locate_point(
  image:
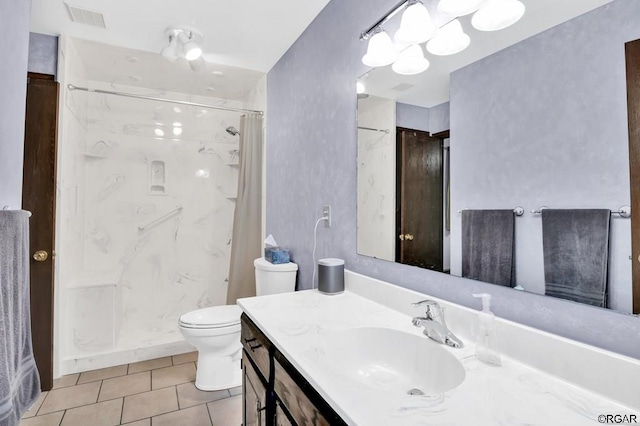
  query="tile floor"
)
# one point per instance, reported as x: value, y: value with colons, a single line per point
x: 159, y: 392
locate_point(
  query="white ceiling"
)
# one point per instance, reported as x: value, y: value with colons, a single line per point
x: 131, y: 67
x: 431, y: 87
x: 251, y: 34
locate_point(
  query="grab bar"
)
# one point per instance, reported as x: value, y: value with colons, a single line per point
x: 160, y: 219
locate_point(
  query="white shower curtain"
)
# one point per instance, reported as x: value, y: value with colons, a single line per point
x: 246, y: 243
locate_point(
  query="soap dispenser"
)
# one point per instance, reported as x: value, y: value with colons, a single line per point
x: 487, y: 347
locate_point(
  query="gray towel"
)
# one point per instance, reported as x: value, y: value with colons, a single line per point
x: 19, y: 379
x: 488, y: 246
x: 576, y: 254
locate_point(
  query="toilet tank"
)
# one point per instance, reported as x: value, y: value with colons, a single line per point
x: 274, y: 278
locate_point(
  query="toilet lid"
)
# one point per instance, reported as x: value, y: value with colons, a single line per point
x: 213, y: 317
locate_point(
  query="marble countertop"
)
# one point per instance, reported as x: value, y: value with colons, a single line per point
x: 513, y: 394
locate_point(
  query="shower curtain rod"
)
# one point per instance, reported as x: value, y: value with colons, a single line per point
x: 152, y: 98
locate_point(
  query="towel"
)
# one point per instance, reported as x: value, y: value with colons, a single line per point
x: 19, y: 379
x: 488, y: 246
x: 576, y: 254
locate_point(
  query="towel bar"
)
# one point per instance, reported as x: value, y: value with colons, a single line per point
x: 518, y: 211
x: 623, y: 211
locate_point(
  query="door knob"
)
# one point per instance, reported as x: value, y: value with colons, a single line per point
x: 40, y: 256
x: 405, y: 237
x: 401, y: 236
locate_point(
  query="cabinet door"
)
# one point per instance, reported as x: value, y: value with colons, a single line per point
x: 281, y: 417
x: 254, y: 396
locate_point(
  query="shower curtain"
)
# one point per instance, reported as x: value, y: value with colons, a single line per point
x: 246, y: 244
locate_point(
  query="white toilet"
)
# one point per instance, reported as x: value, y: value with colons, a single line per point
x: 215, y: 331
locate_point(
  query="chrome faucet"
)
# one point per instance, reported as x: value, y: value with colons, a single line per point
x: 434, y: 324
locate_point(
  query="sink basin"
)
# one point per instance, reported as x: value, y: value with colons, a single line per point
x: 392, y: 360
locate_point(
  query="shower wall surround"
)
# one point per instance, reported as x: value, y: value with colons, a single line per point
x: 312, y: 146
x: 376, y: 160
x: 147, y: 194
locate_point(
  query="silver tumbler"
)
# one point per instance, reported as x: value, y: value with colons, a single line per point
x: 331, y: 276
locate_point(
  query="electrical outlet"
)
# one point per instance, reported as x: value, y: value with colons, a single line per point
x: 326, y: 215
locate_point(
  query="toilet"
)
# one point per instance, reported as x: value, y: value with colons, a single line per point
x: 215, y: 331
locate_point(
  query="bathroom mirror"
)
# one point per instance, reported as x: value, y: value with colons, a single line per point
x: 537, y: 118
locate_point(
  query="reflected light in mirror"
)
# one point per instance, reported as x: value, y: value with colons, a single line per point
x: 416, y: 26
x: 380, y: 51
x: 411, y: 61
x: 459, y: 7
x: 449, y: 40
x: 497, y: 14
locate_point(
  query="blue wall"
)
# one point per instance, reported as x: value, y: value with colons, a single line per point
x: 14, y: 45
x: 43, y: 54
x: 311, y: 161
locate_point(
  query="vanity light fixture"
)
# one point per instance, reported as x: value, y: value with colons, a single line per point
x: 380, y: 51
x: 411, y: 61
x: 184, y: 42
x: 495, y: 15
x: 416, y: 26
x: 459, y: 7
x: 449, y: 40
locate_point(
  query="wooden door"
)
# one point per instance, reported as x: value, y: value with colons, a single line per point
x: 419, y: 199
x: 632, y: 50
x: 38, y: 196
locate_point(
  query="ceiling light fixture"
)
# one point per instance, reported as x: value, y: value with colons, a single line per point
x: 184, y: 42
x: 417, y: 27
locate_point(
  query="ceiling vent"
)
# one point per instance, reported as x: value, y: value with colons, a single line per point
x: 402, y: 87
x: 84, y: 16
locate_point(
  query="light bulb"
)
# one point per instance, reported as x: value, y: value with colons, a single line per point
x: 497, y: 14
x: 411, y: 61
x: 177, y: 131
x: 459, y: 7
x: 416, y: 26
x: 449, y: 40
x: 360, y: 87
x: 159, y: 132
x: 380, y: 51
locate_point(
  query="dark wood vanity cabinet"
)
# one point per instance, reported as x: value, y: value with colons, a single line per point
x: 274, y: 392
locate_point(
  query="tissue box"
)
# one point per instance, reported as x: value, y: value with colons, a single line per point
x: 276, y: 255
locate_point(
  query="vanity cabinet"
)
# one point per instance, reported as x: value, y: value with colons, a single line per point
x: 274, y: 392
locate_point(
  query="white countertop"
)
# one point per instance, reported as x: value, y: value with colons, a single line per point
x: 513, y: 394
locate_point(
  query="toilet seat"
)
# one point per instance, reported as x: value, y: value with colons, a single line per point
x: 213, y: 317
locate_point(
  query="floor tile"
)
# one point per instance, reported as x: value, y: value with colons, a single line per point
x: 125, y: 385
x: 151, y: 364
x: 35, y: 407
x: 194, y: 416
x: 236, y: 391
x: 100, y: 414
x: 226, y: 412
x: 173, y: 375
x: 103, y: 373
x: 145, y: 422
x: 65, y: 381
x: 52, y: 419
x: 184, y: 358
x: 189, y: 395
x: 149, y: 404
x: 70, y: 397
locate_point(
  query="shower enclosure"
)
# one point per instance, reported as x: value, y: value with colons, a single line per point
x: 146, y: 201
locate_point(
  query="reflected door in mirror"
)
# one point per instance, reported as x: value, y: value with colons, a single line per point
x: 419, y: 204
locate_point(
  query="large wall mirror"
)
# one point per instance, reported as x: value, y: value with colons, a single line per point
x: 527, y: 118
